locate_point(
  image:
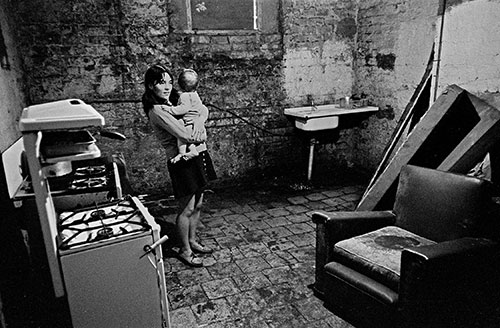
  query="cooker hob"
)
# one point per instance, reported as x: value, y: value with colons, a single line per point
x: 87, y: 176
x: 100, y: 223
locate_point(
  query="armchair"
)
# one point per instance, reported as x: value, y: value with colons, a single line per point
x: 431, y: 261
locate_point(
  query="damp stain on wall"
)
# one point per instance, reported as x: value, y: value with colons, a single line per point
x: 386, y: 61
x: 383, y: 61
x: 4, y: 58
x: 346, y: 28
x: 386, y: 112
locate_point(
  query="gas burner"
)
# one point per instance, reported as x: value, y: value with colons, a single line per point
x: 100, y: 222
x: 90, y: 170
x: 93, y: 182
x: 104, y: 233
x: 98, y: 215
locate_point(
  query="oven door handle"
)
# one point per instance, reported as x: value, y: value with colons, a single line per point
x: 151, y: 248
x: 112, y: 135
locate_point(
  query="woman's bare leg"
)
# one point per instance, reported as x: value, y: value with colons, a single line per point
x: 184, y: 226
x: 195, y: 218
x: 183, y: 222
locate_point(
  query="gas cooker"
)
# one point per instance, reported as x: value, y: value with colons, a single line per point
x: 87, y: 176
x: 101, y: 223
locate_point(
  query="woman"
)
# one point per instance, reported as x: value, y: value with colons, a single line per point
x: 189, y: 176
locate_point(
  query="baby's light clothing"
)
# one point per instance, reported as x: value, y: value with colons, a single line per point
x: 189, y: 106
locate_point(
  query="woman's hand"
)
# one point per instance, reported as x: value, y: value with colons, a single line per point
x: 198, y: 127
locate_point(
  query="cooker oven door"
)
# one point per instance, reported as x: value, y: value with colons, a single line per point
x: 113, y: 285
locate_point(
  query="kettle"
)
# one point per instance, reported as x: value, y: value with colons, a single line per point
x: 49, y: 170
x: 57, y: 169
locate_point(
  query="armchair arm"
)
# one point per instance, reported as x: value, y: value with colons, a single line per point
x: 332, y: 227
x: 342, y: 225
x: 453, y: 270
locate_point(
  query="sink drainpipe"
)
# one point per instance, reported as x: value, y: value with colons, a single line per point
x: 312, y: 142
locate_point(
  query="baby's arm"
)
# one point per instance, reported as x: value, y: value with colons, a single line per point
x: 172, y: 125
x: 178, y: 110
x: 184, y: 105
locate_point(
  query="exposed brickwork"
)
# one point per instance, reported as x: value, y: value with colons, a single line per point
x: 307, y: 50
x: 98, y: 51
x: 11, y: 95
x: 394, y: 42
x: 320, y: 44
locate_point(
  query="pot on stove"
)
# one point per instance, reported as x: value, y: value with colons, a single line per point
x: 49, y: 170
x: 57, y: 169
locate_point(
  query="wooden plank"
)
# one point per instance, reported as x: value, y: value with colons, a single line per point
x: 495, y: 163
x: 434, y: 137
x: 415, y: 104
x: 478, y: 142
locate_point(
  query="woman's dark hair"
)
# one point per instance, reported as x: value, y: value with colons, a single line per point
x: 154, y: 75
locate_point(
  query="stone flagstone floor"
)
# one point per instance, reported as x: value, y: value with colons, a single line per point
x: 263, y: 265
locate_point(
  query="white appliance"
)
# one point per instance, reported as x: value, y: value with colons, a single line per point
x: 111, y: 267
x: 108, y: 265
x: 59, y: 115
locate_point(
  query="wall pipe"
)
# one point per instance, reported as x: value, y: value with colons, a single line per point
x: 439, y: 43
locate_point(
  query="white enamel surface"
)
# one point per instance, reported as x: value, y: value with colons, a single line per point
x: 62, y: 114
x: 322, y: 117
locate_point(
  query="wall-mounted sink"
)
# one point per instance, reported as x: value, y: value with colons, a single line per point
x: 322, y: 117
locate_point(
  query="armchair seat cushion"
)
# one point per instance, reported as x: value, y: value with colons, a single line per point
x: 377, y: 254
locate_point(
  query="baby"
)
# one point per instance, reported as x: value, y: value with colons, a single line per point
x: 189, y: 106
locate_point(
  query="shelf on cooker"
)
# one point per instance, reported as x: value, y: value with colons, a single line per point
x: 58, y: 146
x: 92, y: 152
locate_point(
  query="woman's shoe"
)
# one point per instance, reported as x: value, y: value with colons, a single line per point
x: 201, y: 249
x: 190, y: 260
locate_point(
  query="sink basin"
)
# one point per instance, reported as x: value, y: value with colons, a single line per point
x: 322, y: 117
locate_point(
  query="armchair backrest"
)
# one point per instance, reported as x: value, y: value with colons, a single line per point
x: 441, y: 205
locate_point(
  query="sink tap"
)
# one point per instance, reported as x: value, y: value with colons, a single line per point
x: 311, y: 100
x: 313, y: 105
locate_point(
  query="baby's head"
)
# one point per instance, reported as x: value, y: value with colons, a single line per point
x: 188, y: 80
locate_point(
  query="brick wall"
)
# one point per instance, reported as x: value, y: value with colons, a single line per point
x: 318, y: 50
x: 98, y: 52
x: 395, y: 40
x: 319, y: 43
x: 470, y: 48
x: 11, y: 80
x: 14, y: 262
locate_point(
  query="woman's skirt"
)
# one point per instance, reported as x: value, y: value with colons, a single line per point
x: 191, y: 176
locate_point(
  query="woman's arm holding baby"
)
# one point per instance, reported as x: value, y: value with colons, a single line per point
x: 173, y: 126
x: 198, y: 122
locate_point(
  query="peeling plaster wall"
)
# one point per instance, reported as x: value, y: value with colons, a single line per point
x: 14, y: 262
x: 307, y: 50
x: 470, y: 55
x: 98, y: 51
x: 11, y: 91
x: 319, y: 42
x: 383, y: 60
x: 395, y: 40
x: 404, y: 32
x: 319, y: 73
